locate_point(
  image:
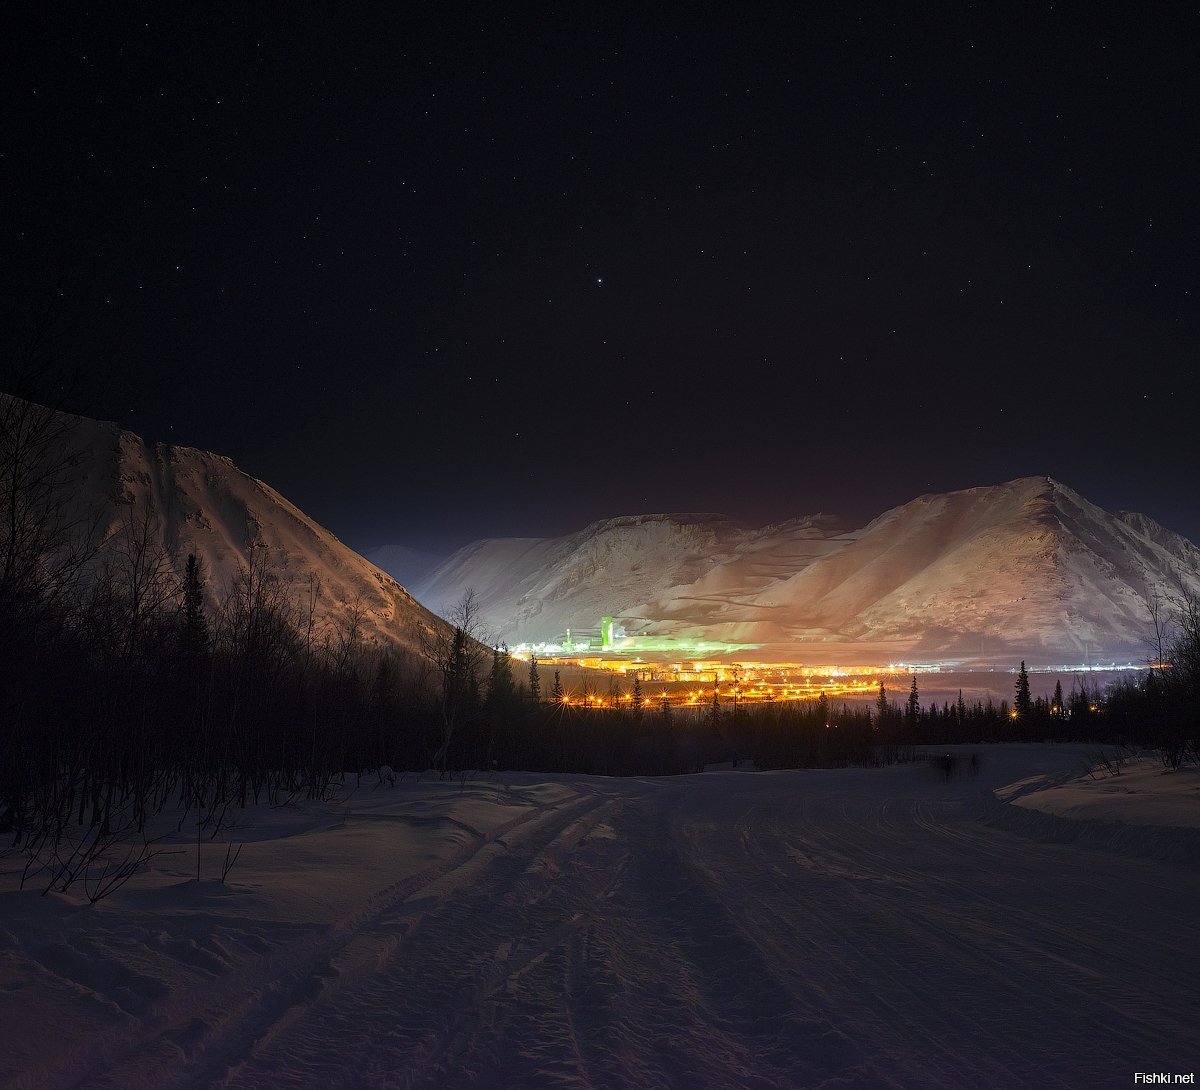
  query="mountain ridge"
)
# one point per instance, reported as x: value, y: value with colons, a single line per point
x: 1029, y: 564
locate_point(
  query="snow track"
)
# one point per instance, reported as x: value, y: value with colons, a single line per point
x: 850, y: 929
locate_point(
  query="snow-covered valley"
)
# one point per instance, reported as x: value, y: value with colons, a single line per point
x: 851, y: 928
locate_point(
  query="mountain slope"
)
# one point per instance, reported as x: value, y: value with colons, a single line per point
x: 530, y: 584
x: 194, y: 501
x: 1028, y: 565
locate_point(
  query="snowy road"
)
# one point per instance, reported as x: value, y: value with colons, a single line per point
x: 841, y: 928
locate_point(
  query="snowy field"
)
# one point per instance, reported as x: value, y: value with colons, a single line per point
x: 850, y: 928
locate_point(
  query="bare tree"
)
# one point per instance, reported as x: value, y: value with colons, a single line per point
x: 144, y: 578
x: 457, y: 653
x: 348, y: 639
x: 44, y: 544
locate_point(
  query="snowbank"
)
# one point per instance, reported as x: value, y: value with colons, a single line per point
x: 1142, y: 809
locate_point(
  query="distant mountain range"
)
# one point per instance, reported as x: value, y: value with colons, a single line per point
x: 201, y: 503
x: 1028, y: 568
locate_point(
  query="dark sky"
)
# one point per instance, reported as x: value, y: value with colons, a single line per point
x: 443, y: 276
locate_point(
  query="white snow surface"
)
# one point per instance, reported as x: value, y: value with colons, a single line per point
x: 1029, y: 565
x: 848, y: 928
x: 202, y: 503
x: 1133, y: 791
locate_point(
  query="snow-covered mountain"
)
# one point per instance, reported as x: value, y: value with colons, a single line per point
x: 1029, y: 566
x: 199, y: 502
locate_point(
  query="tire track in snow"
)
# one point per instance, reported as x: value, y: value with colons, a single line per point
x: 424, y: 1014
x: 1098, y: 934
x: 191, y: 1045
x: 1030, y: 967
x: 785, y: 930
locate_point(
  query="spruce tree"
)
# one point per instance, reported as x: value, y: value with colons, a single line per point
x: 1023, y: 703
x: 556, y: 694
x: 912, y: 710
x: 881, y: 706
x: 500, y: 681
x: 193, y: 635
x: 1058, y: 707
x: 535, y: 683
x: 961, y: 709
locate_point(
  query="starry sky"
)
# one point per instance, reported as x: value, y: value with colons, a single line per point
x: 466, y: 273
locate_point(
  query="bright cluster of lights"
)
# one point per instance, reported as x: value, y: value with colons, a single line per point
x: 690, y: 673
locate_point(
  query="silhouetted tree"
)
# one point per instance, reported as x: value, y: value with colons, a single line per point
x: 1023, y: 703
x: 457, y: 655
x: 535, y: 683
x: 501, y: 690
x: 193, y: 632
x: 912, y: 710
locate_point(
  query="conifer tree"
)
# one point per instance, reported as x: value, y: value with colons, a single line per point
x: 1058, y: 707
x: 961, y: 708
x: 881, y: 706
x: 194, y: 633
x: 1023, y: 703
x: 912, y: 710
x: 501, y: 689
x: 556, y: 694
x: 638, y: 701
x: 535, y: 683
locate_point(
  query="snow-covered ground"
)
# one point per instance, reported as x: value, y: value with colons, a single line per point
x: 857, y: 928
x: 1132, y: 791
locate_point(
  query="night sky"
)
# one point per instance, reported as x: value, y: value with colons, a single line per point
x: 444, y: 276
